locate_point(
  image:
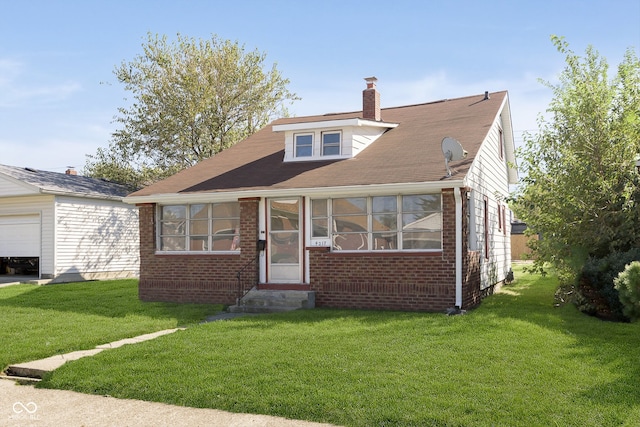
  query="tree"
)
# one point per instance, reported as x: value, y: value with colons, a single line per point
x: 580, y: 184
x: 191, y: 100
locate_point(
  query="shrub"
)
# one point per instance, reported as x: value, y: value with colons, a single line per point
x: 597, y: 281
x: 628, y: 286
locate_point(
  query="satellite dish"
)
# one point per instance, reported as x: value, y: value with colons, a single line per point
x: 452, y: 151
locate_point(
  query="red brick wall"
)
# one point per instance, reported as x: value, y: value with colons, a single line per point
x: 400, y: 281
x: 199, y: 278
x: 403, y: 281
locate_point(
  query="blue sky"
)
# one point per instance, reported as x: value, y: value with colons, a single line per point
x: 58, y: 94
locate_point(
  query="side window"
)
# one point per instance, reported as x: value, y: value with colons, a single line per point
x: 304, y: 145
x: 501, y: 144
x: 422, y: 221
x: 331, y: 143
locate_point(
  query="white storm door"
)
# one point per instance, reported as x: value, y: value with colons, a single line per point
x: 285, y: 241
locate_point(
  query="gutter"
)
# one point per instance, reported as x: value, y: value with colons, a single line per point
x: 458, y: 198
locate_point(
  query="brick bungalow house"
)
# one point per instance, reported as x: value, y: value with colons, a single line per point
x: 357, y: 208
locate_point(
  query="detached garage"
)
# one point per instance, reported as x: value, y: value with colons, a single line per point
x: 65, y: 227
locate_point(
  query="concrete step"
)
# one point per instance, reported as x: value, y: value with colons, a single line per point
x: 274, y: 301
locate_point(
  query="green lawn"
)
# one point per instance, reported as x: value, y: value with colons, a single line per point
x: 515, y: 361
x: 42, y: 321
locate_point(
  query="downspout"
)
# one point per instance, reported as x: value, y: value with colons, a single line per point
x: 458, y: 198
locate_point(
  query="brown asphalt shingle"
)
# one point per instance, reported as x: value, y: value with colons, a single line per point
x: 408, y: 153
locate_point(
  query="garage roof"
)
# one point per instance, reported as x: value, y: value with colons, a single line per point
x: 64, y: 184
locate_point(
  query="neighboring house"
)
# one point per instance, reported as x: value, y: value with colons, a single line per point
x: 65, y: 227
x: 356, y: 207
x: 520, y: 241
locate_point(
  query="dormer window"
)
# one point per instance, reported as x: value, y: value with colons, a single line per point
x: 304, y: 145
x: 329, y: 139
x: 331, y: 143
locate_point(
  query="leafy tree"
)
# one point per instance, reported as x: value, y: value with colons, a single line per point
x: 580, y: 184
x: 191, y: 100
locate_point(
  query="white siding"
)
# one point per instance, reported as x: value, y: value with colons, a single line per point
x: 96, y: 239
x: 354, y: 140
x: 12, y: 187
x: 42, y: 206
x: 489, y: 178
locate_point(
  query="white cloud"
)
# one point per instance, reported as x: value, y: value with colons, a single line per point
x: 18, y: 89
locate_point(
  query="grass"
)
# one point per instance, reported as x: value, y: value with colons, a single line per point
x: 515, y: 361
x: 41, y: 321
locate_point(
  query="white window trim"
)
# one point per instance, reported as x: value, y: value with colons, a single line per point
x: 187, y: 233
x: 295, y: 144
x: 333, y: 144
x: 328, y: 241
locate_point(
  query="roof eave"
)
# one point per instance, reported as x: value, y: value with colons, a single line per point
x: 340, y: 191
x: 81, y: 195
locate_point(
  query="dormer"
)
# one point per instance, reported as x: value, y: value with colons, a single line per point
x: 336, y: 139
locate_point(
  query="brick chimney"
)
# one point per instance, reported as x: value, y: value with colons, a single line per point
x: 371, y: 100
x: 71, y: 171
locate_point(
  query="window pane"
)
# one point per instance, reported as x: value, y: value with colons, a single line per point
x: 350, y: 223
x: 226, y: 210
x: 303, y: 152
x: 225, y: 226
x: 174, y: 212
x: 284, y: 215
x: 225, y: 242
x: 350, y: 241
x: 330, y: 150
x: 432, y: 221
x: 421, y: 240
x: 199, y: 211
x: 199, y: 243
x: 304, y: 145
x: 284, y: 248
x: 353, y: 205
x: 421, y: 203
x: 385, y: 222
x: 319, y: 227
x: 173, y: 228
x: 199, y: 227
x: 331, y: 138
x: 385, y: 241
x: 172, y: 243
x: 319, y: 208
x: 385, y: 204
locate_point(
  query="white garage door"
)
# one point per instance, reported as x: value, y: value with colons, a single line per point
x: 20, y: 236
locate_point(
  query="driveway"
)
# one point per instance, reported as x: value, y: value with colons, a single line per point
x: 24, y: 405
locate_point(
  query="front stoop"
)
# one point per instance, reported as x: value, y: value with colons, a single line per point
x: 274, y: 301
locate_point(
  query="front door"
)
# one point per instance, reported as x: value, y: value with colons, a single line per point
x: 285, y: 245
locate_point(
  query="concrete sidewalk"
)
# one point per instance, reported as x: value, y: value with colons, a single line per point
x: 25, y: 405
x: 29, y: 406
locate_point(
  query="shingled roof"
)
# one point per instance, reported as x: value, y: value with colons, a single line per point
x: 408, y: 153
x: 59, y: 183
